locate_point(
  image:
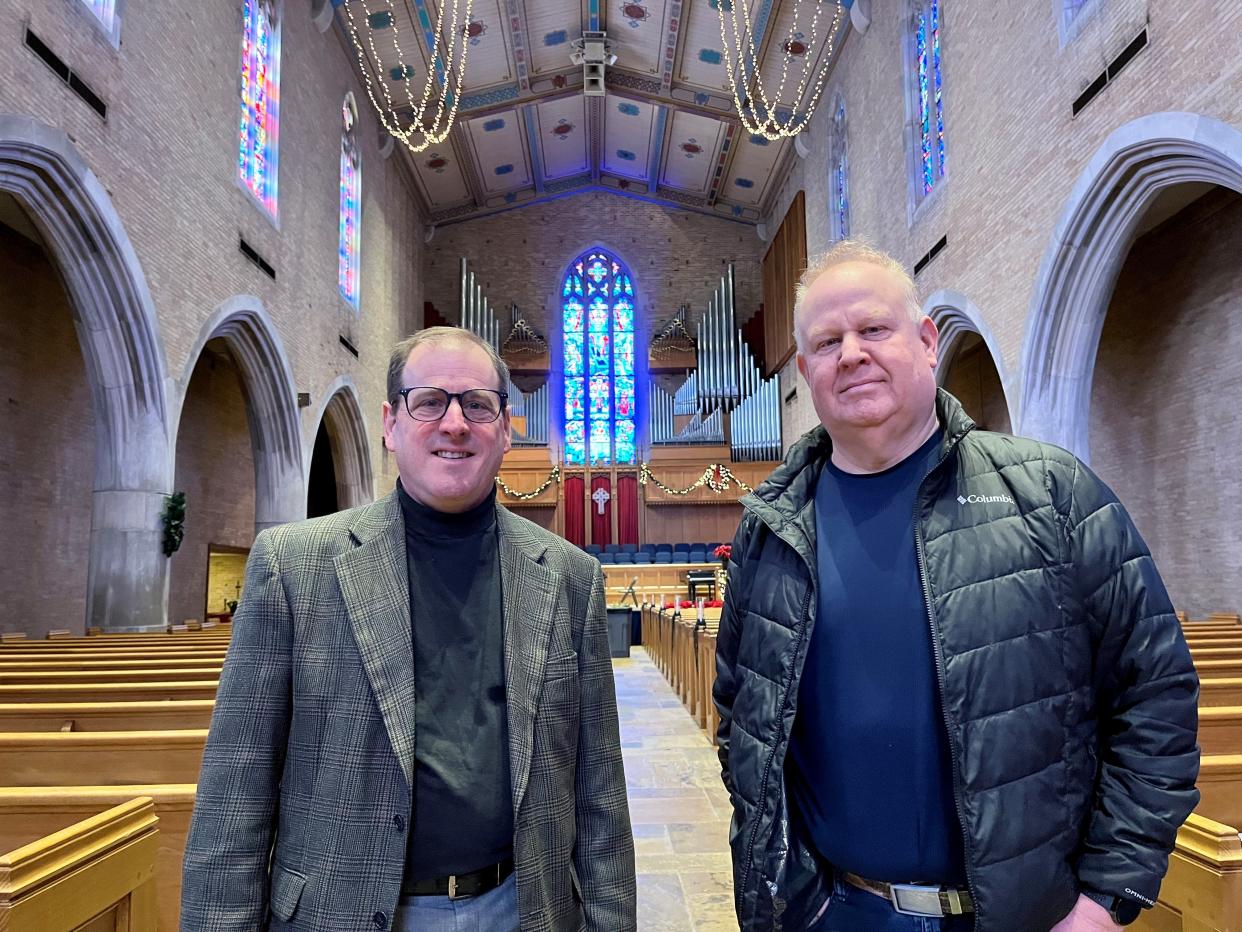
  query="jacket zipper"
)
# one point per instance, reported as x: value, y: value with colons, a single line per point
x: 767, y: 767
x: 931, y: 622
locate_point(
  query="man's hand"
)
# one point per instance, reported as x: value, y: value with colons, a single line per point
x: 1086, y: 916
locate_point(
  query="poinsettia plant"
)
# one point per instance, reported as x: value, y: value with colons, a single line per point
x: 724, y: 552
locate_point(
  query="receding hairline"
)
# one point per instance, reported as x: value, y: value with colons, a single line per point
x: 456, y: 341
x: 400, y: 355
x: 853, y: 252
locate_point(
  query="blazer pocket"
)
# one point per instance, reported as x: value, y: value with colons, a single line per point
x: 287, y: 889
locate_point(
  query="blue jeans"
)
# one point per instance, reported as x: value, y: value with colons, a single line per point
x: 493, y: 911
x: 853, y: 910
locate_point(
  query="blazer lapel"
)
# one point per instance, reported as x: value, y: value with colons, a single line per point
x: 375, y: 587
x: 528, y: 592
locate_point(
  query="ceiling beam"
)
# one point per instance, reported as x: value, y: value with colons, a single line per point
x: 516, y: 10
x: 673, y: 36
x: 529, y: 118
x: 657, y: 149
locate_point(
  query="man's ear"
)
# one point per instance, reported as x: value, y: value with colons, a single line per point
x: 390, y: 424
x: 929, y: 336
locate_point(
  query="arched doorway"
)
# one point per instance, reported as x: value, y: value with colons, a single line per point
x: 970, y: 366
x: 340, y: 462
x: 82, y: 238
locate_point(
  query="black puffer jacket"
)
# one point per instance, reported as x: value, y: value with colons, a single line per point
x: 1068, y: 690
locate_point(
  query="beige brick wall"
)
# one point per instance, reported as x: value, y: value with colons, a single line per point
x: 676, y: 257
x: 167, y: 155
x: 46, y: 448
x: 1014, y: 150
x: 1165, y: 427
x: 215, y: 469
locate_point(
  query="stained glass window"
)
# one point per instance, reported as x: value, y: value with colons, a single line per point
x: 928, y: 94
x: 598, y: 327
x: 840, y: 207
x: 105, y: 10
x: 351, y: 204
x: 260, y: 101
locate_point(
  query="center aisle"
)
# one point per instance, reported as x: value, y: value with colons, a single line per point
x: 678, y: 806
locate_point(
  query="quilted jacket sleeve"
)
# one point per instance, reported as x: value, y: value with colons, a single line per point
x: 1147, y: 695
x: 225, y: 882
x: 727, y: 638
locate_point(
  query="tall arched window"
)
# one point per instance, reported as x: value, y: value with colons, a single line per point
x: 598, y: 325
x: 105, y: 10
x: 260, y: 101
x: 926, y: 95
x: 351, y: 205
x: 839, y: 168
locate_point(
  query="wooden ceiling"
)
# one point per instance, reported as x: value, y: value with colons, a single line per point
x: 666, y: 130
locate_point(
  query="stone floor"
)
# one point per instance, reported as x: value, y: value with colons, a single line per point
x: 678, y: 807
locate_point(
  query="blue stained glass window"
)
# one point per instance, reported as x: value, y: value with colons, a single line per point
x: 623, y: 316
x: 260, y: 101
x: 348, y: 259
x: 623, y: 353
x: 601, y: 398
x: 840, y: 203
x: 597, y: 315
x: 573, y: 352
x: 601, y: 444
x: 603, y: 330
x: 574, y: 393
x: 928, y: 93
x: 575, y: 443
x: 625, y: 396
x: 573, y: 311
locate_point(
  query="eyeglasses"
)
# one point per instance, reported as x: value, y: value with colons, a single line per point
x: 479, y: 405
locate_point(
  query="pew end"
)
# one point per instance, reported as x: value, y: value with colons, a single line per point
x: 96, y: 874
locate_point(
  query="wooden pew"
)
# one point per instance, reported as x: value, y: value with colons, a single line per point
x: 1202, y: 891
x: 28, y: 813
x: 1217, y: 691
x: 65, y: 758
x: 198, y: 671
x: 93, y: 875
x: 106, y: 716
x: 109, y: 692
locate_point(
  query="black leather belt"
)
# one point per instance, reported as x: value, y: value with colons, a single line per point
x: 915, y: 899
x: 455, y: 886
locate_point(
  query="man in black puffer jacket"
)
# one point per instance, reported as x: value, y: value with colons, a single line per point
x: 948, y: 674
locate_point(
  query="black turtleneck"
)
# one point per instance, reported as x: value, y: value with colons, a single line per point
x: 462, y: 816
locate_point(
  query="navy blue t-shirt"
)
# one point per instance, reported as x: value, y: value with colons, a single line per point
x: 869, y: 774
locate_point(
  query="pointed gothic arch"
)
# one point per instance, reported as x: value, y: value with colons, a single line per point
x: 341, y: 416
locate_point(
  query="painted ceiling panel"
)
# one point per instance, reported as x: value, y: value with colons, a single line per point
x: 490, y: 59
x: 701, y: 59
x: 400, y: 52
x: 499, y: 151
x: 637, y: 29
x: 561, y: 128
x: 796, y: 37
x: 629, y: 130
x: 551, y: 25
x: 751, y: 172
x: 440, y: 177
x: 693, y: 145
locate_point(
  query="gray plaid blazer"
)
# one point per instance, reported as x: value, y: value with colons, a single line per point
x: 304, y: 798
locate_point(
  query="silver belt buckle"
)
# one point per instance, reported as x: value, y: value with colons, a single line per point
x: 914, y: 900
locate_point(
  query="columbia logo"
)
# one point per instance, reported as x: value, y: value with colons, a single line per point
x: 983, y: 499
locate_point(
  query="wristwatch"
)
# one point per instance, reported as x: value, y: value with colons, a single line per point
x: 1124, y: 911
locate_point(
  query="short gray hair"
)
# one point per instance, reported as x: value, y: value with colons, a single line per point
x: 852, y: 250
x: 439, y: 335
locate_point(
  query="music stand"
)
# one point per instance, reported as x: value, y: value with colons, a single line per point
x: 629, y: 593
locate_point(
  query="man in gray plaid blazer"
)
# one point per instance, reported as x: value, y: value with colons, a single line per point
x: 416, y: 723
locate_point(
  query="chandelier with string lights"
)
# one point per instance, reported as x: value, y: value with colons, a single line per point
x: 434, y: 111
x: 760, y: 115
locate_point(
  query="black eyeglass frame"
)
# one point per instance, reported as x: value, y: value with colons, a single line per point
x: 450, y: 396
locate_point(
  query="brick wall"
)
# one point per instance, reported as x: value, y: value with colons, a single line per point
x: 1014, y: 149
x: 1165, y: 427
x: 46, y: 448
x: 167, y: 155
x: 676, y: 257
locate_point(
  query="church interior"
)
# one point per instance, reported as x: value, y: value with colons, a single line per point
x: 216, y: 219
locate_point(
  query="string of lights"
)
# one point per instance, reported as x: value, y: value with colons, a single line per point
x: 708, y: 479
x: 448, y: 64
x: 553, y: 476
x: 767, y: 123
